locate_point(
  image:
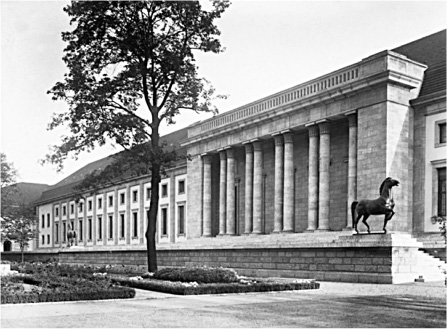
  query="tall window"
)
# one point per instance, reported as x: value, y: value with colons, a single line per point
x: 148, y: 193
x: 48, y: 239
x: 110, y: 226
x: 64, y: 232
x: 90, y: 229
x: 164, y: 221
x: 164, y: 190
x: 441, y: 192
x: 99, y: 228
x: 122, y: 198
x: 134, y: 196
x: 181, y: 187
x: 181, y: 219
x: 442, y: 133
x: 57, y: 212
x: 90, y: 205
x: 43, y: 221
x: 72, y: 209
x: 43, y: 239
x: 48, y: 220
x: 81, y: 230
x: 81, y: 206
x: 56, y: 232
x: 64, y: 210
x: 135, y: 224
x: 99, y: 203
x: 110, y: 200
x: 122, y: 223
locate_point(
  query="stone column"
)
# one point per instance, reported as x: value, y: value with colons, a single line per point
x: 223, y: 193
x: 206, y: 195
x: 324, y: 197
x: 257, y: 187
x: 313, y: 178
x: 248, y: 188
x: 289, y: 184
x: 352, y: 165
x: 231, y: 196
x: 116, y: 216
x: 279, y: 184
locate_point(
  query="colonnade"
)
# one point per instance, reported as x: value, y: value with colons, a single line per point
x: 284, y: 202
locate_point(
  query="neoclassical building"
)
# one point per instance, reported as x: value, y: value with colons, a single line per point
x: 268, y: 186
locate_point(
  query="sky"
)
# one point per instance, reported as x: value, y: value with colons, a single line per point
x: 270, y: 46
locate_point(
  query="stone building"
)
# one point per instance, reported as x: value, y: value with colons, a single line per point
x: 269, y: 185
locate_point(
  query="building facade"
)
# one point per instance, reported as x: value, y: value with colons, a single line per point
x: 285, y: 168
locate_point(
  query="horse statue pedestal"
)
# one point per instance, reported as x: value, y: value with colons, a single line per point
x: 371, y: 233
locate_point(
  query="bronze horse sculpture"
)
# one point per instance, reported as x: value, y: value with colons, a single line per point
x: 383, y: 205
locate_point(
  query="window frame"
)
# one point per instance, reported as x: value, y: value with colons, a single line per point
x: 438, y: 124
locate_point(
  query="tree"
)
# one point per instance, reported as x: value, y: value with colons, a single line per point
x: 131, y: 66
x: 18, y: 219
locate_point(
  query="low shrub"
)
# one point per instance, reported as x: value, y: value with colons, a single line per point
x: 197, y: 274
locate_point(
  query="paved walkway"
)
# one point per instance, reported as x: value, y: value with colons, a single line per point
x: 418, y: 305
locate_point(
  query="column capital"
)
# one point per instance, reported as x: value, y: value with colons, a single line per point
x: 352, y: 118
x: 206, y: 157
x: 230, y: 152
x: 279, y: 140
x: 248, y: 148
x: 324, y: 126
x: 223, y: 155
x: 288, y: 136
x: 257, y: 145
x: 313, y: 130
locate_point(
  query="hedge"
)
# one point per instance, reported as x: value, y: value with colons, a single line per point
x: 30, y: 297
x: 178, y: 288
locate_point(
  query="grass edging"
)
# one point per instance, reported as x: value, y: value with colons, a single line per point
x: 179, y: 288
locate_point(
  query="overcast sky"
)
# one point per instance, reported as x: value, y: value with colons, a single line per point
x: 270, y: 46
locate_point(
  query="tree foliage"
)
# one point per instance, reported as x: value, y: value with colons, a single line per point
x: 131, y: 66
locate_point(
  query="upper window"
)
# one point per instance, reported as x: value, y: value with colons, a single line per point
x: 440, y: 133
x: 64, y: 210
x: 122, y: 198
x: 164, y: 190
x: 90, y: 204
x: 72, y: 209
x: 99, y: 203
x: 110, y: 200
x: 148, y: 193
x: 134, y: 196
x: 181, y: 187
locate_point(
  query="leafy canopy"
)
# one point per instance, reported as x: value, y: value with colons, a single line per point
x: 131, y: 66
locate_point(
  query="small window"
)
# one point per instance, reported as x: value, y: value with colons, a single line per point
x: 122, y: 227
x: 48, y: 220
x: 442, y: 136
x: 48, y: 239
x: 148, y: 193
x: 181, y: 219
x: 43, y: 221
x: 99, y: 228
x: 72, y: 209
x: 110, y: 227
x: 122, y: 198
x: 90, y: 205
x: 110, y: 200
x: 99, y: 203
x: 181, y: 187
x: 164, y: 221
x: 81, y: 207
x: 135, y: 224
x: 440, y: 133
x: 81, y: 230
x: 164, y: 190
x: 57, y: 212
x: 134, y: 196
x: 64, y: 210
x: 43, y: 239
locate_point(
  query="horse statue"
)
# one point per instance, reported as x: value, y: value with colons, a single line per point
x: 383, y: 205
x: 71, y: 237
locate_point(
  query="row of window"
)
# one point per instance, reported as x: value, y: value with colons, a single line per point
x: 122, y: 197
x: 121, y: 226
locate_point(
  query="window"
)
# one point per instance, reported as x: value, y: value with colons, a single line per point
x: 48, y: 220
x: 43, y: 221
x: 48, y: 239
x: 181, y: 187
x: 43, y: 239
x: 440, y: 133
x: 148, y: 193
x: 99, y: 203
x: 99, y: 228
x: 90, y: 205
x: 122, y: 226
x: 72, y: 225
x: 90, y: 229
x: 72, y: 209
x: 110, y: 226
x: 64, y: 210
x: 134, y: 196
x: 441, y: 192
x: 64, y: 232
x: 181, y: 219
x: 164, y: 221
x: 135, y: 224
x: 164, y: 190
x: 122, y: 198
x: 81, y: 230
x: 56, y: 232
x: 110, y: 201
x: 81, y: 206
x: 57, y: 212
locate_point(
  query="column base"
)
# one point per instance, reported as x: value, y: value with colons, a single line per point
x: 287, y: 231
x: 275, y: 232
x: 220, y: 235
x: 206, y: 236
x: 230, y: 234
x: 256, y: 233
x: 310, y: 230
x: 323, y: 230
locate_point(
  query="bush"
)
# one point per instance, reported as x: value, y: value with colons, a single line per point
x: 197, y: 274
